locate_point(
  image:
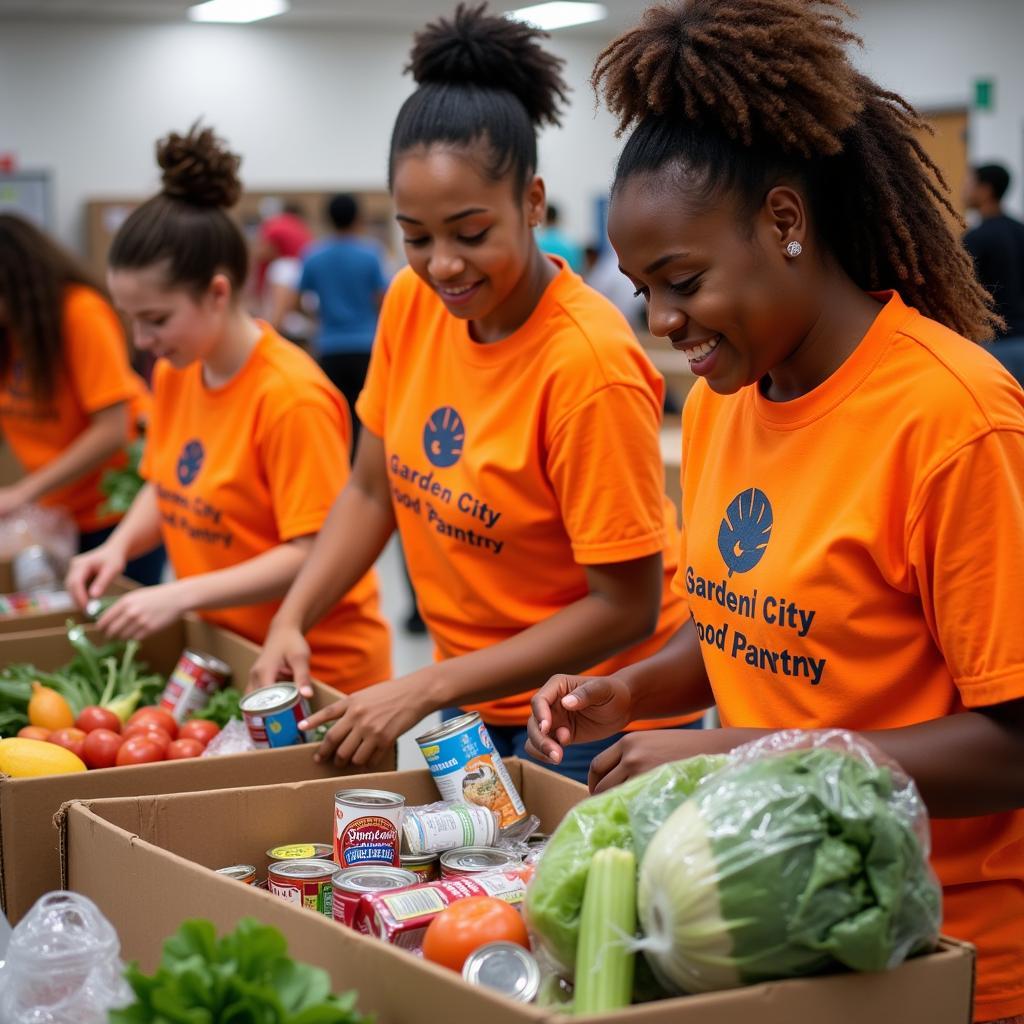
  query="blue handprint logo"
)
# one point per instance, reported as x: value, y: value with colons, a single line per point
x: 190, y: 462
x: 443, y: 436
x: 745, y: 530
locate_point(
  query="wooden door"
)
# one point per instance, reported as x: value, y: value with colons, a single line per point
x: 948, y: 148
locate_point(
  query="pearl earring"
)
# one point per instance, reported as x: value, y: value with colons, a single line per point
x: 794, y: 249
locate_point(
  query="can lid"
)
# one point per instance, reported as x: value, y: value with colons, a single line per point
x: 238, y: 871
x: 478, y: 858
x: 419, y: 859
x: 311, y: 868
x: 373, y: 878
x: 302, y: 851
x: 208, y: 661
x: 269, y: 698
x: 369, y: 798
x: 506, y: 968
x: 450, y: 727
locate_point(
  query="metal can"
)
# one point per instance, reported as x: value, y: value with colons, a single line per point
x: 504, y: 967
x: 306, y: 883
x: 34, y: 568
x: 426, y: 831
x: 350, y: 885
x: 302, y: 851
x: 467, y: 768
x: 426, y: 867
x: 195, y: 679
x: 477, y: 860
x: 273, y: 714
x: 240, y: 872
x: 367, y: 826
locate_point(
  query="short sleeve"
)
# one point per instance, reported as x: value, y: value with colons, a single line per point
x: 153, y: 426
x: 604, y: 462
x: 97, y: 354
x: 689, y: 412
x: 965, y: 551
x: 372, y: 404
x: 304, y: 455
x: 306, y: 277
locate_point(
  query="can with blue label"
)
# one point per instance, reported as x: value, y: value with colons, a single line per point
x: 273, y: 714
x: 467, y: 768
x: 367, y: 827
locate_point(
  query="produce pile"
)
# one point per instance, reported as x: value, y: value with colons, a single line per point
x: 798, y: 854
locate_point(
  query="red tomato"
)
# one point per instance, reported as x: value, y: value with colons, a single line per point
x: 34, y: 732
x: 70, y: 738
x: 94, y: 717
x: 180, y: 749
x: 139, y: 750
x: 198, y: 729
x: 149, y: 729
x: 100, y: 748
x: 465, y: 926
x: 158, y: 715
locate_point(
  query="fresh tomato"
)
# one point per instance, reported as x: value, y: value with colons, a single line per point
x: 70, y: 739
x: 139, y: 750
x: 100, y: 748
x: 198, y: 729
x: 465, y: 926
x: 158, y: 715
x: 34, y: 732
x: 180, y: 749
x: 94, y: 717
x: 148, y: 728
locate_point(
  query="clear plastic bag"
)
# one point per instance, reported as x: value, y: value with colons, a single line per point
x: 63, y: 965
x: 52, y: 528
x: 807, y: 852
x: 234, y: 738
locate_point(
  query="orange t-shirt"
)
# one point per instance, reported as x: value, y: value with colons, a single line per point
x: 242, y: 468
x: 850, y: 559
x: 508, y: 464
x: 95, y: 375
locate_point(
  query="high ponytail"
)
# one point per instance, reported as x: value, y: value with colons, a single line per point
x: 481, y: 77
x: 739, y: 96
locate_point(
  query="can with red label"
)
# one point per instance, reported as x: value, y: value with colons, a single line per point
x: 367, y: 827
x: 306, y: 883
x: 273, y: 714
x: 195, y: 679
x: 351, y: 884
x: 477, y: 860
x: 426, y: 867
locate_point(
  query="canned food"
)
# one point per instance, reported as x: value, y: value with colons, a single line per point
x: 195, y: 679
x: 240, y: 872
x: 467, y: 768
x: 426, y: 867
x: 402, y: 918
x: 307, y: 883
x: 34, y: 568
x: 477, y: 860
x: 367, y: 825
x: 351, y: 884
x: 425, y: 831
x: 504, y: 967
x: 302, y: 851
x: 273, y: 714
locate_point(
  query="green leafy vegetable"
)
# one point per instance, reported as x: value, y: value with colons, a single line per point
x: 120, y: 486
x: 247, y: 976
x: 222, y: 707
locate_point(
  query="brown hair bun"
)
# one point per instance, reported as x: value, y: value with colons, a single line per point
x: 199, y: 169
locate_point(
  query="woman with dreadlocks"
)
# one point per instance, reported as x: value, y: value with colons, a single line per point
x: 853, y: 464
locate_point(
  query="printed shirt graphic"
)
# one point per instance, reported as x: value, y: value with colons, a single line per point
x: 850, y: 559
x: 514, y: 464
x: 242, y: 468
x: 96, y: 375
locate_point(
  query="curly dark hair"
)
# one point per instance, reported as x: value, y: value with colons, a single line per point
x: 744, y: 94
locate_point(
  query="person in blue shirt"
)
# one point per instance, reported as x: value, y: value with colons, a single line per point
x: 347, y: 274
x: 552, y: 239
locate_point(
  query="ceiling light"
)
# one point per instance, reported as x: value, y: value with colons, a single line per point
x: 559, y: 14
x: 237, y: 11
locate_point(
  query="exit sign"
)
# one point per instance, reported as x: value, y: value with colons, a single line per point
x: 984, y: 94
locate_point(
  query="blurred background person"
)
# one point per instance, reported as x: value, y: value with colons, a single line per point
x: 553, y: 240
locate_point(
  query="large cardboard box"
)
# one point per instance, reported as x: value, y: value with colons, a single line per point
x: 44, y: 620
x: 146, y: 864
x: 29, y: 848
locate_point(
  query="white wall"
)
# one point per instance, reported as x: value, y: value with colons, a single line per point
x: 315, y: 108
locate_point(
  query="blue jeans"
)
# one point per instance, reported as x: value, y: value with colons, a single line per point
x: 147, y: 569
x: 510, y: 741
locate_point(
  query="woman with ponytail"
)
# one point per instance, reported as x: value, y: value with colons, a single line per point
x: 248, y: 441
x: 506, y: 406
x: 853, y: 463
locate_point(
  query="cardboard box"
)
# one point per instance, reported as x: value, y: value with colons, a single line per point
x: 45, y: 620
x: 145, y: 863
x: 29, y: 849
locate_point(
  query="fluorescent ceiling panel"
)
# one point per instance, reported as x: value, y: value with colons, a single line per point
x: 560, y: 14
x: 237, y: 11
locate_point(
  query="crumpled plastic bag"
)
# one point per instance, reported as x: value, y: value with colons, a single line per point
x: 52, y: 528
x: 234, y: 738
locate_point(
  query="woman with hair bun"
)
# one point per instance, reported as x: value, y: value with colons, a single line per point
x: 249, y: 440
x: 506, y: 405
x: 853, y: 465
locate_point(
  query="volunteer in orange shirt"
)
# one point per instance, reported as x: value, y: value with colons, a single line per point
x: 69, y: 400
x: 249, y: 440
x: 505, y: 403
x: 853, y: 466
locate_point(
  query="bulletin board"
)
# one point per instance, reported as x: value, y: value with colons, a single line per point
x: 28, y: 194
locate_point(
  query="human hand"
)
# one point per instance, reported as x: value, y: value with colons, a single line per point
x: 575, y: 709
x: 285, y: 655
x: 91, y: 573
x: 138, y: 614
